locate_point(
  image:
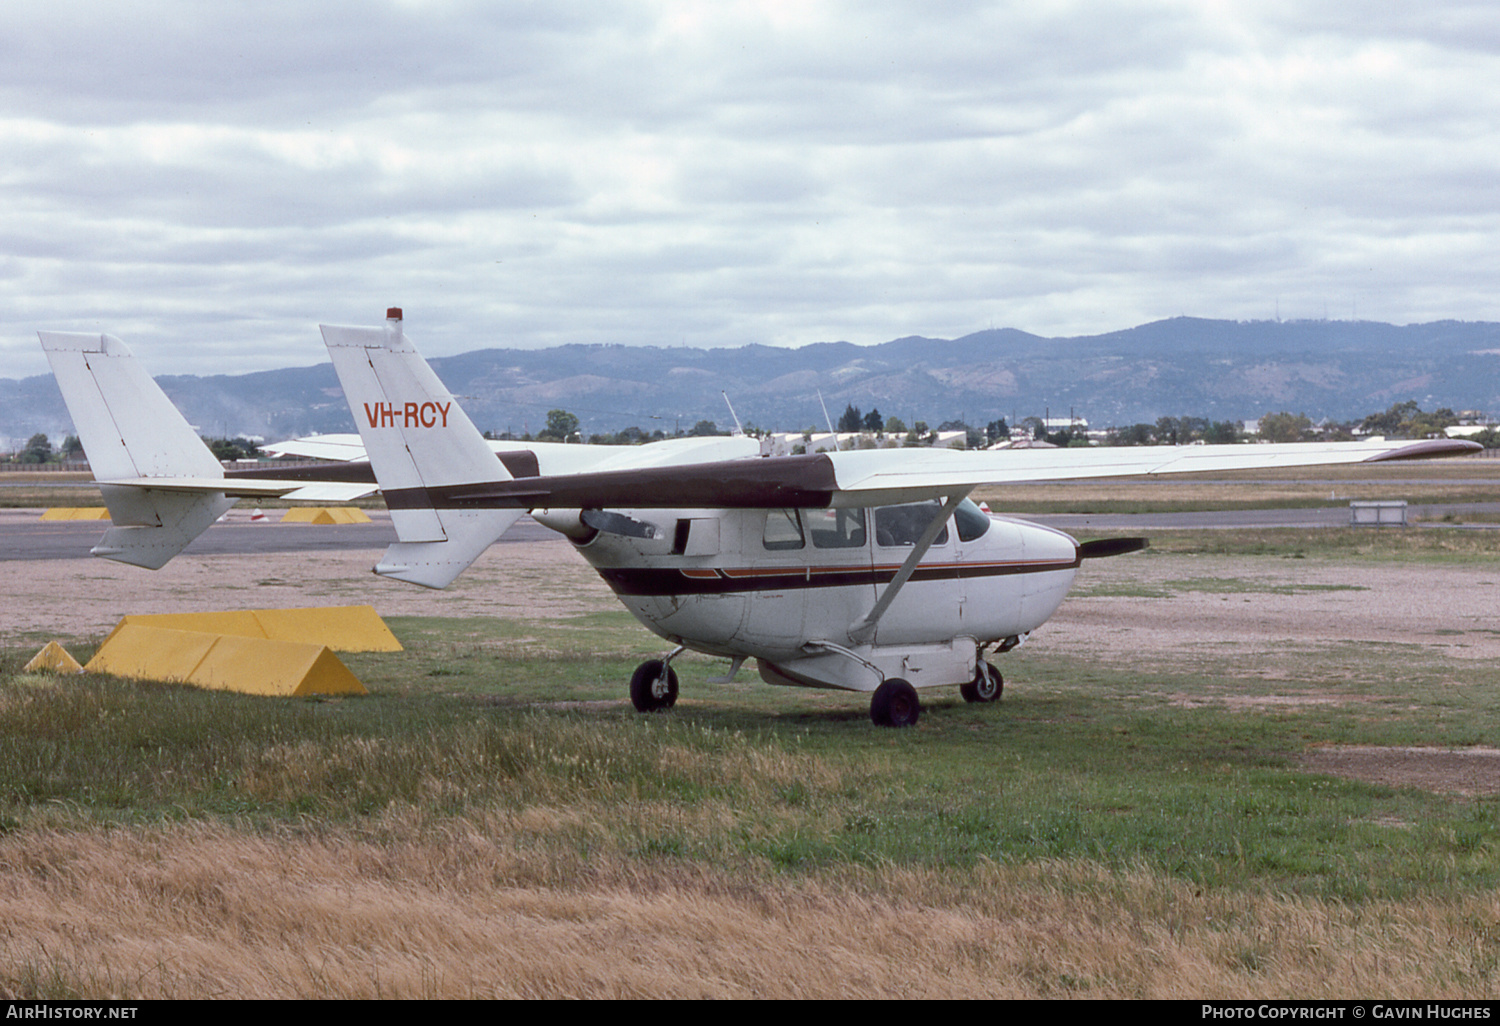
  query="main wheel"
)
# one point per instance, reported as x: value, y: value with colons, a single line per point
x: 895, y: 704
x: 986, y: 685
x: 653, y: 686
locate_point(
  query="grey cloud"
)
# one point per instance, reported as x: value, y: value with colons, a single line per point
x: 536, y: 173
x: 79, y: 61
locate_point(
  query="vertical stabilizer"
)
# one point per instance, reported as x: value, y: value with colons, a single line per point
x: 420, y: 445
x: 128, y: 426
x: 131, y: 432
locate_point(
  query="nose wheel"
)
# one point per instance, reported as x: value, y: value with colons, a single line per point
x: 986, y: 685
x: 653, y: 686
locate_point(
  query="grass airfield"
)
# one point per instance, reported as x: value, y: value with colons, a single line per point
x: 1153, y: 810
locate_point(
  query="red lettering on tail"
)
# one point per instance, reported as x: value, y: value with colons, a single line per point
x: 408, y: 415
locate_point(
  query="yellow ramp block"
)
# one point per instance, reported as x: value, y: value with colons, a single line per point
x: 341, y: 628
x: 76, y: 513
x: 325, y: 515
x: 256, y: 666
x: 53, y: 658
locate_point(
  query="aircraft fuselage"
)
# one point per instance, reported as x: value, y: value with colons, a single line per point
x: 786, y: 587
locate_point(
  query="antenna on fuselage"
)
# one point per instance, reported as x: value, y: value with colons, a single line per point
x: 828, y: 420
x: 739, y: 432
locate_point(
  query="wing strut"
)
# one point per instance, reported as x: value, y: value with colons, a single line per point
x: 862, y: 630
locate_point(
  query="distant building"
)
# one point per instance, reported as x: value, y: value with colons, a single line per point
x: 785, y: 443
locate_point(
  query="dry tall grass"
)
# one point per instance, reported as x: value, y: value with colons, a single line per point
x: 487, y: 907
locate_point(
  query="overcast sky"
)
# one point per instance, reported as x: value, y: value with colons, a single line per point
x: 210, y: 181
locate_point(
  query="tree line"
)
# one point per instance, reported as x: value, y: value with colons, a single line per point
x: 39, y: 449
x: 1401, y: 420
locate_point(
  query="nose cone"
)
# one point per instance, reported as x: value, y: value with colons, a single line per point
x: 1046, y: 543
x: 1056, y: 555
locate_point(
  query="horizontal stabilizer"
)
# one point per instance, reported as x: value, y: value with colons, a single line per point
x: 251, y: 488
x: 435, y: 564
x: 151, y: 526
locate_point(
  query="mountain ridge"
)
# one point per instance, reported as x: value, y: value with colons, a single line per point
x: 1181, y: 366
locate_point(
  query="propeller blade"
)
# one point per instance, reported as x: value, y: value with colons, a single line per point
x: 1101, y: 547
x: 617, y: 523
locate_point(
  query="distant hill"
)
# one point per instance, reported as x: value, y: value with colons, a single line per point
x: 1223, y: 370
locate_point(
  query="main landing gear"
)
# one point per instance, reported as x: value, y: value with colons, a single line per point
x: 653, y: 686
x: 895, y: 704
x: 986, y: 685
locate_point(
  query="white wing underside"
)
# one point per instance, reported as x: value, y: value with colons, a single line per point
x: 552, y: 457
x: 878, y: 477
x: 163, y: 486
x: 240, y: 488
x: 872, y: 477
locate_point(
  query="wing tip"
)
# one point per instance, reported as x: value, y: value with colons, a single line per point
x: 1432, y: 448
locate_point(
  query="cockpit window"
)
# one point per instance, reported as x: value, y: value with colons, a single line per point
x: 783, y: 531
x: 836, y: 528
x: 971, y: 520
x: 896, y: 526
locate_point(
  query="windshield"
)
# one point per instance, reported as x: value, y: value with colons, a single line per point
x: 972, y: 521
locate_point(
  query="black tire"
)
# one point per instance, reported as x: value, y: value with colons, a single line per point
x: 895, y: 704
x: 649, y: 692
x: 986, y: 686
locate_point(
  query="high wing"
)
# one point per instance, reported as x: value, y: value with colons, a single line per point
x: 161, y: 484
x: 876, y: 477
x: 865, y: 478
x: 450, y: 497
x: 344, y: 448
x: 547, y: 457
x: 440, y: 480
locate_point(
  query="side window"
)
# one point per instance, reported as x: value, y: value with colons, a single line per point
x: 783, y: 531
x: 897, y: 526
x: 836, y: 528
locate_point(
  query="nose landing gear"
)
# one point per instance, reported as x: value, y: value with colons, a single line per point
x: 986, y: 685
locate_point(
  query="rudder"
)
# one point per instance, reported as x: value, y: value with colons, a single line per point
x: 131, y: 431
x: 421, y: 445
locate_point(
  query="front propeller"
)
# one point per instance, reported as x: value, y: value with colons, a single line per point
x: 1101, y: 547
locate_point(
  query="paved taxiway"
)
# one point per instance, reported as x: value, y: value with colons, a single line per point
x: 24, y: 535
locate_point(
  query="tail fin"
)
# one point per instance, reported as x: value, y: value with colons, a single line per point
x: 423, y: 449
x: 131, y: 432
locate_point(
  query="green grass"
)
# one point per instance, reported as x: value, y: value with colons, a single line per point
x: 1208, y: 585
x: 1385, y: 545
x: 1079, y: 761
x: 1164, y: 498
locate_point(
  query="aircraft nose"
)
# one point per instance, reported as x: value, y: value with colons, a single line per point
x: 1046, y: 543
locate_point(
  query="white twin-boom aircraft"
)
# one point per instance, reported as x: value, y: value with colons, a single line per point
x: 868, y: 571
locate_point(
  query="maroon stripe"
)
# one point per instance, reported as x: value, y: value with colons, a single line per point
x: 658, y: 581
